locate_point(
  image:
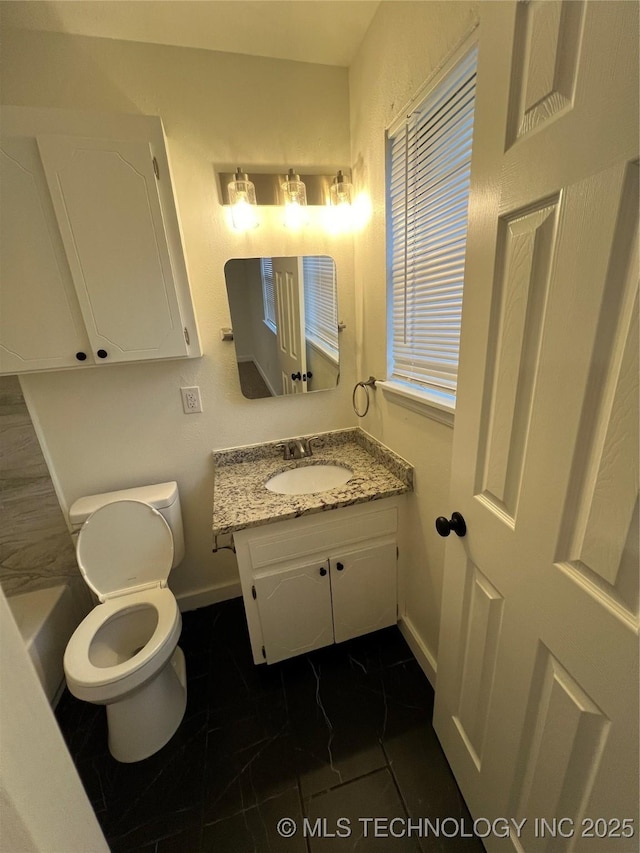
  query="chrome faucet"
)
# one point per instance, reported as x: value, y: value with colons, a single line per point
x: 300, y: 449
x: 297, y: 448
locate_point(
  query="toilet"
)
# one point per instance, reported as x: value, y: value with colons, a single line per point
x: 125, y: 653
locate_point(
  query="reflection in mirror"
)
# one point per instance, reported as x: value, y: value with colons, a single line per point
x: 284, y: 314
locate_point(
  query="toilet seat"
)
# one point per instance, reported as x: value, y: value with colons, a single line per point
x: 86, y: 676
x: 124, y: 547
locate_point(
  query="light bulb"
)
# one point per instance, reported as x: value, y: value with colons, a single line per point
x: 341, y: 196
x: 242, y: 198
x: 295, y: 200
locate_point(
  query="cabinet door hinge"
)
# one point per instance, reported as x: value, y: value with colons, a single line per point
x: 253, y: 592
x: 264, y: 653
x: 186, y: 336
x: 156, y: 169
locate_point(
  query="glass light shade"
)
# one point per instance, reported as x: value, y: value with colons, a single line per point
x: 242, y: 198
x: 341, y: 191
x: 340, y: 198
x: 295, y: 200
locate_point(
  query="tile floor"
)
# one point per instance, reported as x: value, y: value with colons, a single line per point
x: 341, y: 733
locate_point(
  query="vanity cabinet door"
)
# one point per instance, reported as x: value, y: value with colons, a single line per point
x: 106, y: 199
x: 41, y: 327
x: 364, y: 590
x: 295, y: 610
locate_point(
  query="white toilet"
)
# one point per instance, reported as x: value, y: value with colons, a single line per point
x: 125, y: 653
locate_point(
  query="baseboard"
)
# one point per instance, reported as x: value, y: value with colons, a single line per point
x: 211, y: 595
x: 427, y: 662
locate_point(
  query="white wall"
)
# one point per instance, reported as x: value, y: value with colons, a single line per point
x: 404, y: 45
x: 123, y: 425
x: 42, y: 802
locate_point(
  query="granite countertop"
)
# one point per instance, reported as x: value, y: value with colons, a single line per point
x: 241, y: 500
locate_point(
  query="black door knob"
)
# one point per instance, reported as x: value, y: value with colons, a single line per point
x: 339, y: 566
x: 297, y: 375
x: 323, y: 572
x: 81, y: 356
x: 102, y: 353
x: 444, y: 526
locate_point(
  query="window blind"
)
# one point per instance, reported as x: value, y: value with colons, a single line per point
x: 268, y: 293
x: 320, y: 303
x: 429, y: 162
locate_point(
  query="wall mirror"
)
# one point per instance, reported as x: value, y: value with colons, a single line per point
x: 284, y: 313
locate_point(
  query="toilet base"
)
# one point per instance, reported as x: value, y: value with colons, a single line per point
x: 144, y: 722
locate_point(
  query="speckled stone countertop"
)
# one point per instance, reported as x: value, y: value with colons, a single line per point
x: 241, y: 500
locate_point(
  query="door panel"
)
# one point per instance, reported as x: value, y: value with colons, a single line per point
x: 537, y: 691
x: 565, y: 730
x: 107, y: 204
x: 482, y: 619
x: 364, y: 590
x: 289, y: 290
x: 295, y: 610
x: 524, y: 254
x: 34, y: 269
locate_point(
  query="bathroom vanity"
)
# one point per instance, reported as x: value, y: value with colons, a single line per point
x: 315, y: 567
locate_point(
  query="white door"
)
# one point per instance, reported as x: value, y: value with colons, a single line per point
x: 537, y: 685
x: 41, y: 325
x: 106, y: 200
x: 288, y: 283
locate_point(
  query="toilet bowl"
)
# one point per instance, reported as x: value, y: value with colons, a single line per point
x: 124, y: 654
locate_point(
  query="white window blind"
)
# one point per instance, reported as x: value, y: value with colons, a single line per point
x: 268, y: 293
x: 429, y: 160
x: 320, y: 303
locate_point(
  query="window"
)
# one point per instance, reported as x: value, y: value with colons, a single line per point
x: 268, y: 293
x: 429, y: 160
x: 320, y: 304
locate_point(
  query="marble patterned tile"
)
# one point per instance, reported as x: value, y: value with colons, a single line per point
x: 36, y: 549
x: 239, y: 762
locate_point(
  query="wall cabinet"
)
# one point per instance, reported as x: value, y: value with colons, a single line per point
x: 324, y: 578
x: 93, y: 267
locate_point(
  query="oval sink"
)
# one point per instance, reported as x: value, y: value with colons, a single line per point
x: 309, y: 479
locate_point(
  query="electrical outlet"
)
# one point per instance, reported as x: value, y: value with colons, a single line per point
x: 191, y: 402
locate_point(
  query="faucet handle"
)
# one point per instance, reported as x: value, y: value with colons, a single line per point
x: 309, y: 443
x: 286, y: 449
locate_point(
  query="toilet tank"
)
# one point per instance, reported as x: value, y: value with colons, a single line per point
x: 163, y: 496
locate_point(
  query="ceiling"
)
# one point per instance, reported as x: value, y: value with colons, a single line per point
x: 323, y: 31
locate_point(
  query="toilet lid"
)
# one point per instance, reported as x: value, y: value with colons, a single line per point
x: 124, y: 546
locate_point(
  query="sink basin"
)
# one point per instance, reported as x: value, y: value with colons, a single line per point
x: 309, y: 479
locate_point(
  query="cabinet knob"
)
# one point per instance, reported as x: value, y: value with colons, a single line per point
x: 81, y: 356
x: 339, y: 566
x: 102, y: 353
x: 323, y: 571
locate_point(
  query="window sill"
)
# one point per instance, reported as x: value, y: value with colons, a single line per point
x: 271, y: 326
x: 421, y: 402
x: 328, y: 356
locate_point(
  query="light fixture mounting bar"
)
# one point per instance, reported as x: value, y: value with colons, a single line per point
x: 268, y: 191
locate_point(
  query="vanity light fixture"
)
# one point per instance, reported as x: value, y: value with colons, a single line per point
x: 242, y: 198
x: 295, y: 200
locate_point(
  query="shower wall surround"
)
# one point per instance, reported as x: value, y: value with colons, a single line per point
x: 36, y: 549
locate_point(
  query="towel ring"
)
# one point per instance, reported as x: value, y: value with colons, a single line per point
x: 370, y: 383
